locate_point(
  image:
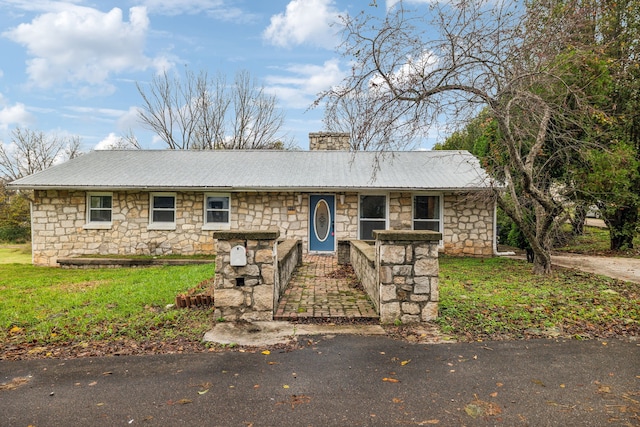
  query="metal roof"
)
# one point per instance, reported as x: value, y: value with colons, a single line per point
x: 262, y: 170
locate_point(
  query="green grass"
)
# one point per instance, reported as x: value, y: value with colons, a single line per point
x: 15, y: 253
x: 595, y: 241
x: 43, y: 305
x: 500, y: 298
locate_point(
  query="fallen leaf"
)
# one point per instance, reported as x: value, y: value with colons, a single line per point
x: 15, y: 330
x: 604, y: 389
x: 273, y: 363
x: 494, y: 394
x: 183, y: 401
x: 285, y: 386
x: 203, y: 391
x: 428, y: 422
x: 480, y: 408
x: 107, y: 373
x: 266, y: 352
x: 390, y: 380
x: 562, y: 386
x: 100, y: 404
x: 256, y: 386
x: 538, y: 382
x: 396, y: 400
x: 405, y: 362
x: 92, y: 383
x: 499, y: 384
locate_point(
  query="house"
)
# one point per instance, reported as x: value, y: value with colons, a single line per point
x: 170, y: 202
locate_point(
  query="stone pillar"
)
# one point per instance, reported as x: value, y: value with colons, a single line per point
x: 329, y: 141
x: 407, y: 263
x: 246, y: 292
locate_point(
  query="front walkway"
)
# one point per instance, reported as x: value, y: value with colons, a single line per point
x: 320, y: 288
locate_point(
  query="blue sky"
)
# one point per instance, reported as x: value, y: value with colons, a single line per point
x: 71, y: 67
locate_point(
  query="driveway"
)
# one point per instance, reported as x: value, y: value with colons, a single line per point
x: 342, y: 380
x: 627, y: 269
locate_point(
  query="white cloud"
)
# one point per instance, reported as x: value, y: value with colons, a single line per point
x: 16, y: 114
x: 217, y: 9
x: 129, y: 120
x: 304, y: 22
x: 391, y: 3
x: 108, y: 143
x: 300, y: 87
x: 83, y: 46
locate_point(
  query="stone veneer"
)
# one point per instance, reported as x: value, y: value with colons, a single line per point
x: 246, y: 292
x: 59, y: 217
x: 407, y: 265
x: 339, y: 141
x: 58, y: 220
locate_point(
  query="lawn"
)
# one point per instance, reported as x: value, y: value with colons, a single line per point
x: 499, y: 298
x: 596, y: 241
x: 41, y: 306
x: 15, y: 253
x: 56, y: 312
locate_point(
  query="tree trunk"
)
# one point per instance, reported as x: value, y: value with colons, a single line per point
x: 622, y: 227
x: 541, y: 262
x: 577, y: 222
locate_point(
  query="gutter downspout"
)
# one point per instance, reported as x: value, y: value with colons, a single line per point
x: 495, y: 234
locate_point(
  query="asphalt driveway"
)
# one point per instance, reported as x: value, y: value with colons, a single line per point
x: 336, y: 381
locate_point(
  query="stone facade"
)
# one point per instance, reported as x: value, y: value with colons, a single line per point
x: 59, y: 222
x: 468, y: 226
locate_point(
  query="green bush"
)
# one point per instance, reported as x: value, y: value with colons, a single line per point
x: 15, y: 234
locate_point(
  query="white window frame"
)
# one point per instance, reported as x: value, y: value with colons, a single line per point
x: 386, y: 210
x: 216, y: 225
x: 440, y: 211
x: 97, y: 225
x: 162, y: 225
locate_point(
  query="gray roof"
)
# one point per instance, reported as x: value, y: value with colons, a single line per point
x: 262, y: 170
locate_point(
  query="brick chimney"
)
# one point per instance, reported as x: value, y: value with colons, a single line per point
x: 339, y: 141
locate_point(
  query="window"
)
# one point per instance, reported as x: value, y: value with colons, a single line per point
x: 163, y: 211
x: 373, y: 215
x: 217, y: 211
x: 426, y: 213
x: 99, y: 210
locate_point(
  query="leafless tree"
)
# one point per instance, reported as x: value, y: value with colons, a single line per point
x: 206, y: 114
x: 32, y: 151
x: 453, y: 59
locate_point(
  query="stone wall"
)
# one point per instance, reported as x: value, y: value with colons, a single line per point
x: 363, y: 260
x: 468, y: 227
x: 246, y: 292
x: 59, y: 218
x: 407, y: 263
x: 289, y: 257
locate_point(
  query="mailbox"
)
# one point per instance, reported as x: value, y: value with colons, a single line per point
x: 238, y: 256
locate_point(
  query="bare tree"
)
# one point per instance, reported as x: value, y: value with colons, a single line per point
x: 32, y: 151
x: 461, y: 56
x: 206, y: 114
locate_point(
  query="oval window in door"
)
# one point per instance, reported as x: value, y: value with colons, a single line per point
x: 321, y: 220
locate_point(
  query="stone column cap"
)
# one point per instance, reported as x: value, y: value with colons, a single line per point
x: 407, y: 235
x: 268, y: 234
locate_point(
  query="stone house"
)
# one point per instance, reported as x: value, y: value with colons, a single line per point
x: 170, y: 202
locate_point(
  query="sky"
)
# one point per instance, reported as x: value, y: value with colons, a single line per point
x: 71, y: 67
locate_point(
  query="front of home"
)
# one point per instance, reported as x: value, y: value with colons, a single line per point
x: 170, y: 202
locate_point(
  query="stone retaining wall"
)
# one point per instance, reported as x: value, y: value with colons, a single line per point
x: 363, y: 259
x: 289, y: 257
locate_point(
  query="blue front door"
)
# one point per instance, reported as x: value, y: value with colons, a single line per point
x: 321, y: 223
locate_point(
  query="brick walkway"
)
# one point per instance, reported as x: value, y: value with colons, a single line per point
x: 319, y: 289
